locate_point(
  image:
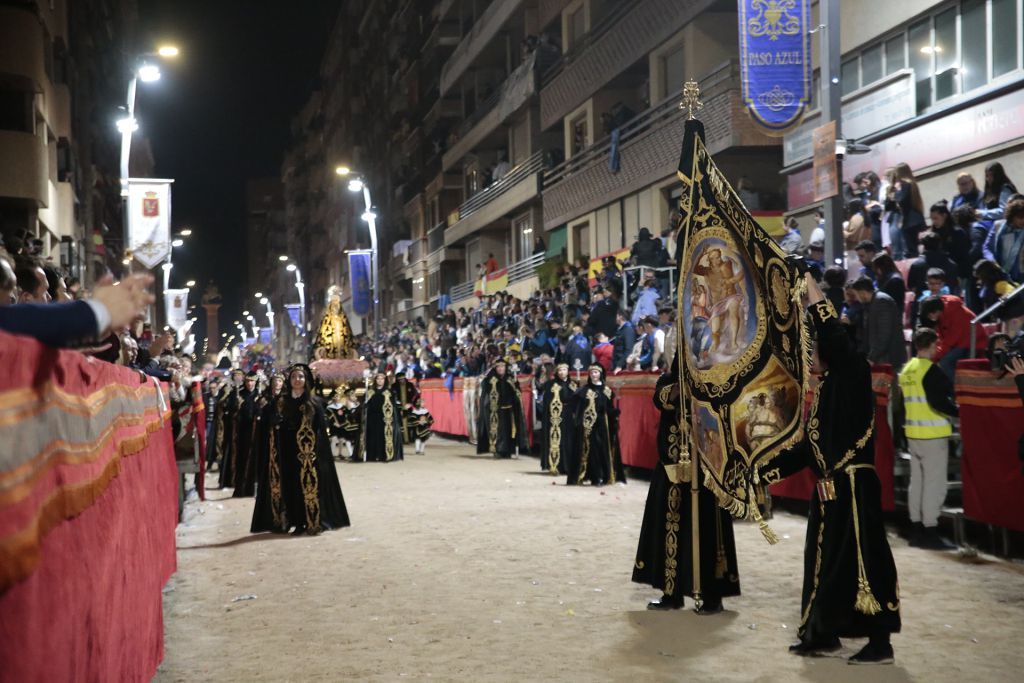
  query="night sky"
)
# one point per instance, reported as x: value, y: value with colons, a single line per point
x: 220, y: 115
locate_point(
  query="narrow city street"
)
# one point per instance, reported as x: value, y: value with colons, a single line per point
x: 462, y: 568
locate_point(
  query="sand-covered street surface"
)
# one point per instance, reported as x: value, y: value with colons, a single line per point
x: 458, y: 567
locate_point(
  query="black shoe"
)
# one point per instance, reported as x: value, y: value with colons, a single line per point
x: 873, y: 653
x: 806, y: 648
x: 709, y: 607
x: 299, y: 530
x: 931, y: 540
x: 916, y: 535
x: 666, y: 602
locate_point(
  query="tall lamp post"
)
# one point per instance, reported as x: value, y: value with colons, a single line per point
x: 357, y: 184
x: 301, y: 286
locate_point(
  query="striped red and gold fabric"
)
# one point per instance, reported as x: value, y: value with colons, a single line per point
x: 66, y: 423
x: 977, y: 385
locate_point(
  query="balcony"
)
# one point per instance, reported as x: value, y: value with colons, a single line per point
x: 521, y: 185
x: 515, y: 91
x: 522, y: 280
x: 621, y: 39
x: 24, y: 167
x: 437, y: 251
x: 483, y: 32
x: 649, y: 149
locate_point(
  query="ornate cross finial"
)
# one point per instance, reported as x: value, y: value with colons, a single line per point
x: 691, y: 99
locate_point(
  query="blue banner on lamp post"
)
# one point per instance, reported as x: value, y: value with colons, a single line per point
x: 775, y: 61
x: 295, y: 314
x: 359, y: 277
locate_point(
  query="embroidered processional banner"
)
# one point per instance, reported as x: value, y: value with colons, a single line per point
x: 743, y: 348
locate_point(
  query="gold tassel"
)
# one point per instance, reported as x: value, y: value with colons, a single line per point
x: 866, y: 602
x: 766, y: 530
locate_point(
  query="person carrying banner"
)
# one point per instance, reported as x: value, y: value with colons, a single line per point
x: 663, y: 560
x: 850, y: 587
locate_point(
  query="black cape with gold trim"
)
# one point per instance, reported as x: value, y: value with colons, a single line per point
x: 558, y: 431
x: 850, y: 583
x: 381, y: 439
x: 406, y: 394
x: 227, y: 435
x: 664, y: 559
x: 596, y: 456
x: 311, y: 497
x: 501, y: 427
x: 244, y: 475
x: 266, y: 513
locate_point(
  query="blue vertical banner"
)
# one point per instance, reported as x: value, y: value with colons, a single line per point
x: 295, y: 314
x: 359, y: 277
x: 775, y: 61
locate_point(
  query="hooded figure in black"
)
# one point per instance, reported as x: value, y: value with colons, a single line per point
x: 664, y: 553
x: 228, y: 405
x: 559, y: 420
x: 263, y: 514
x: 596, y: 455
x: 850, y: 584
x: 246, y: 441
x: 406, y: 394
x: 381, y: 439
x: 310, y: 498
x: 501, y: 427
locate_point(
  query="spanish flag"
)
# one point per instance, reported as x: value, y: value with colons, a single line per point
x: 495, y: 282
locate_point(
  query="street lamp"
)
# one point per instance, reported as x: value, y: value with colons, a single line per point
x: 301, y: 286
x: 185, y: 232
x: 190, y: 284
x: 357, y: 184
x: 147, y: 72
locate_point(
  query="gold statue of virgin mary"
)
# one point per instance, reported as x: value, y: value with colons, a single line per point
x: 334, y: 337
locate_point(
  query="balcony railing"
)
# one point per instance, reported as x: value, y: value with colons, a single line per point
x: 596, y: 32
x: 638, y: 126
x: 517, y: 272
x: 435, y: 237
x: 533, y: 164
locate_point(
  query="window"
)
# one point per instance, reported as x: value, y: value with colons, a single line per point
x: 672, y: 72
x: 522, y: 231
x: 577, y: 26
x: 919, y: 40
x: 581, y: 240
x: 945, y: 52
x: 974, y: 66
x: 15, y: 110
x: 1004, y: 36
x: 895, y: 55
x: 871, y: 65
x: 849, y: 76
x: 579, y: 140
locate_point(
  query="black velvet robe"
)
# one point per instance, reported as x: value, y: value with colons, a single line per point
x: 268, y: 486
x: 595, y: 455
x: 227, y: 436
x: 501, y: 427
x: 558, y: 430
x: 381, y: 438
x: 406, y: 394
x: 419, y: 426
x: 850, y: 584
x: 244, y: 475
x: 310, y: 495
x: 664, y: 555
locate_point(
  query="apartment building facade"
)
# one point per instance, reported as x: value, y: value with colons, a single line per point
x: 62, y: 64
x: 936, y: 85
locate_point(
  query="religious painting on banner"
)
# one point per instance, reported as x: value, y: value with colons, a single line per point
x: 775, y: 64
x: 745, y: 359
x: 176, y: 307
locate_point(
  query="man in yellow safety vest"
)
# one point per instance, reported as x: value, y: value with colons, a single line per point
x: 929, y: 405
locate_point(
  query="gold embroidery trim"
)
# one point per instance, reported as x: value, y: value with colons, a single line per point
x: 865, y: 602
x: 589, y: 418
x: 306, y: 441
x: 492, y: 426
x: 387, y: 408
x: 275, y: 483
x: 671, y: 539
x: 555, y: 429
x: 817, y: 569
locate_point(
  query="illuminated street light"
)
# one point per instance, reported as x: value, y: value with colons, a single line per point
x: 185, y: 232
x: 355, y: 185
x: 149, y: 73
x: 282, y: 257
x: 177, y: 243
x: 168, y: 51
x: 127, y: 125
x: 258, y: 295
x: 342, y: 170
x: 190, y: 283
x: 291, y: 268
x: 264, y: 301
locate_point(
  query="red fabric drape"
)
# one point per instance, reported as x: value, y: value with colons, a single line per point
x: 991, y: 423
x: 88, y: 508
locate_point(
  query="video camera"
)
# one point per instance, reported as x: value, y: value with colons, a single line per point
x: 1000, y: 358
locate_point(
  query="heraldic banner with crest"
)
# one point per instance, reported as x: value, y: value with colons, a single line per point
x: 744, y: 350
x: 775, y: 61
x: 149, y: 221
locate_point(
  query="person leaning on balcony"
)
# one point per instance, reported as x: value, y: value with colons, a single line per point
x: 491, y: 265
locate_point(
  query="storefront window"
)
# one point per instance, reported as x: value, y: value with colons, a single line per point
x: 871, y: 65
x: 1005, y: 36
x: 945, y: 52
x: 974, y: 45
